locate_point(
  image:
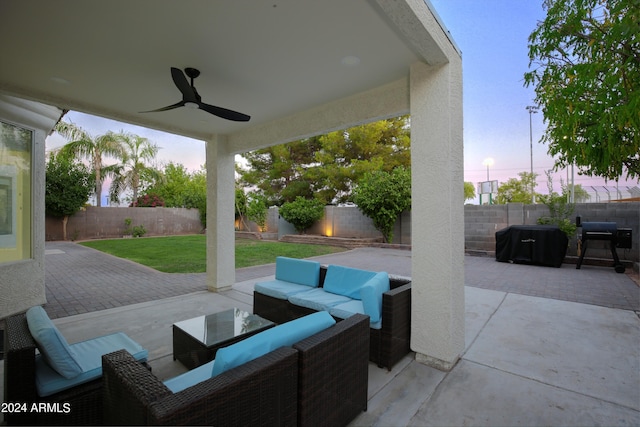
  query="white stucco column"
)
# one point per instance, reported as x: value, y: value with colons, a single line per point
x: 437, y: 290
x: 221, y: 257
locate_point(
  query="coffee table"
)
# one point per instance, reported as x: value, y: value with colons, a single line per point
x: 196, y: 341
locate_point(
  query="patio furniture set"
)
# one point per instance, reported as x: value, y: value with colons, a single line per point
x: 306, y: 369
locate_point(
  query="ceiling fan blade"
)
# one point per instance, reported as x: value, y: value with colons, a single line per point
x: 168, y: 107
x: 224, y: 113
x: 191, y: 98
x: 188, y: 93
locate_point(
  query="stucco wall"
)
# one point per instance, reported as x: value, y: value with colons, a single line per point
x: 22, y: 282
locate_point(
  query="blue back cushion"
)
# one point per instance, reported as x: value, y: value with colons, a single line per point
x: 88, y: 354
x: 284, y: 335
x: 300, y: 271
x: 371, y: 294
x: 52, y: 345
x: 346, y: 281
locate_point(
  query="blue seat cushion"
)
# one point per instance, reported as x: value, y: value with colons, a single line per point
x: 348, y: 309
x: 190, y: 378
x: 52, y: 345
x: 89, y: 357
x: 284, y: 335
x: 371, y: 294
x: 318, y: 299
x: 279, y: 289
x: 346, y: 281
x: 300, y: 271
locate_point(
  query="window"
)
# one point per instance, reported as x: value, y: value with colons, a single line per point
x: 15, y: 192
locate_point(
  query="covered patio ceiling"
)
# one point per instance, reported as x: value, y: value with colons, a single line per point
x: 298, y: 68
x: 267, y: 59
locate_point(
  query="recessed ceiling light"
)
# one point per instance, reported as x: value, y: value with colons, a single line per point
x: 350, y: 61
x: 60, y: 80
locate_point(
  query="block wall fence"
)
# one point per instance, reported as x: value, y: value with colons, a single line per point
x: 107, y: 222
x: 480, y: 222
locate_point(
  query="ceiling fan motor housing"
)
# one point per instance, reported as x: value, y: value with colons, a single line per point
x: 192, y: 72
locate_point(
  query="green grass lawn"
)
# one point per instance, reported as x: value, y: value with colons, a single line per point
x: 186, y: 254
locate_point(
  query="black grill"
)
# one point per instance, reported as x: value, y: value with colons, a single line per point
x: 607, y: 231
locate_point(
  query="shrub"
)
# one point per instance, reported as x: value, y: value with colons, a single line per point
x: 257, y: 210
x: 560, y: 211
x: 139, y: 231
x: 149, y: 201
x: 127, y: 227
x: 302, y: 213
x: 383, y: 196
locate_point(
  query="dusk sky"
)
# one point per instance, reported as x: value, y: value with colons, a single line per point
x: 492, y: 36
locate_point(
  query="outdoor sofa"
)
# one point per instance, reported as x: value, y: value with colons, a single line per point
x: 281, y: 300
x: 321, y: 380
x: 63, y: 381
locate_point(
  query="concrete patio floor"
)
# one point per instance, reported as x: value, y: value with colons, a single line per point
x: 528, y: 360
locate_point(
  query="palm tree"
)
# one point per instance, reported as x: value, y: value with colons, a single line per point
x: 134, y: 171
x: 83, y: 145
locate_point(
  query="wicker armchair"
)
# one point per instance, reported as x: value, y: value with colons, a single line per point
x: 85, y: 400
x: 322, y: 380
x: 387, y: 345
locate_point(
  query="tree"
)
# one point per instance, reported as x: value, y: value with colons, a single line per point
x: 560, y: 210
x: 240, y: 202
x: 83, y: 145
x: 587, y: 80
x: 346, y: 156
x: 133, y: 171
x: 518, y: 190
x: 279, y: 171
x: 469, y: 191
x: 302, y: 213
x: 68, y: 186
x: 383, y: 196
x: 327, y: 167
x: 580, y: 195
x: 257, y: 209
x: 197, y: 194
x: 172, y: 187
x: 181, y: 189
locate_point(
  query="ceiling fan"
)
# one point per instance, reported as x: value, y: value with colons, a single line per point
x: 191, y: 98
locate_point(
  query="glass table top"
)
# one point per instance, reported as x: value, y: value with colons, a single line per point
x: 218, y: 327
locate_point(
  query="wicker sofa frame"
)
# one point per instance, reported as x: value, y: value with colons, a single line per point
x: 320, y: 381
x: 85, y: 400
x: 387, y: 345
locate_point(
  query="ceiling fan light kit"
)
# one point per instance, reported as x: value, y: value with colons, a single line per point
x: 192, y: 100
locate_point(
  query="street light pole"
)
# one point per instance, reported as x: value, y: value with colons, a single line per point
x: 532, y: 109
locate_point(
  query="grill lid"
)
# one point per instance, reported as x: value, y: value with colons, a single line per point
x: 599, y: 227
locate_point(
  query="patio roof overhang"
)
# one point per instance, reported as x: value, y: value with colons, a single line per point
x: 270, y: 60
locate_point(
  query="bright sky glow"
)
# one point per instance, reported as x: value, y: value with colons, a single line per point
x: 493, y: 37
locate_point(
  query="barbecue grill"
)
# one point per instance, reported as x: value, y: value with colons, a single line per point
x: 604, y: 231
